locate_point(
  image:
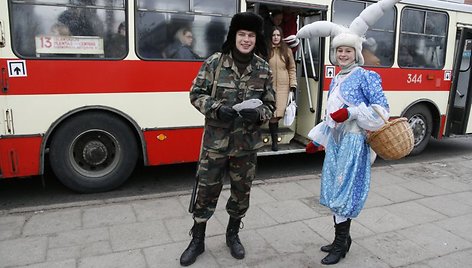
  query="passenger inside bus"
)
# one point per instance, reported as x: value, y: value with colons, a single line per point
x: 265, y: 14
x: 215, y: 33
x: 283, y: 68
x: 285, y: 18
x: 181, y: 47
x: 115, y: 46
x: 277, y: 17
x: 369, y: 47
x: 60, y: 29
x: 405, y: 58
x: 82, y: 21
x: 289, y: 21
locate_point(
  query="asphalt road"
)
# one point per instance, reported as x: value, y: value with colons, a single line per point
x: 36, y: 193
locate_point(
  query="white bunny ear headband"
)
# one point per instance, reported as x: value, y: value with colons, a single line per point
x: 352, y: 36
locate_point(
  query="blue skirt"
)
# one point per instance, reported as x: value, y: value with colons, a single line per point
x: 345, y: 179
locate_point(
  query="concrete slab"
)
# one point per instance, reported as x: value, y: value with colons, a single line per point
x: 22, y: 251
x: 11, y: 226
x: 138, y: 235
x: 395, y: 249
x: 108, y: 215
x: 125, y: 259
x: 159, y: 209
x: 288, y: 211
x: 52, y: 222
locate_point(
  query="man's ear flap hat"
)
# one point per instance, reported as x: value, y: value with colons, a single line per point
x: 248, y: 21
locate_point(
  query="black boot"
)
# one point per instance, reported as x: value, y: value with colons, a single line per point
x: 340, y: 244
x: 274, y: 128
x: 196, y: 246
x: 327, y: 248
x: 232, y: 238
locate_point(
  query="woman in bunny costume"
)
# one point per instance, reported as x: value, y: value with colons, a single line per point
x: 355, y: 98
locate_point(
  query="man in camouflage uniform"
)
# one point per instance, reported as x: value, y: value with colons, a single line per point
x: 231, y: 138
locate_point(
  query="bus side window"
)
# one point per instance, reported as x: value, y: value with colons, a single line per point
x: 163, y: 35
x: 422, y: 39
x: 115, y: 45
x: 379, y: 47
x: 79, y: 30
x: 215, y: 34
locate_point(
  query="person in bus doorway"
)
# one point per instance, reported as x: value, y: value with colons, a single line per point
x: 354, y: 96
x: 231, y: 138
x: 283, y: 68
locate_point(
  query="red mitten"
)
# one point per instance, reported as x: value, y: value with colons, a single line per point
x: 340, y: 115
x: 311, y: 148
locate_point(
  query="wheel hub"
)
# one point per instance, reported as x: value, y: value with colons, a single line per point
x: 94, y: 153
x: 419, y: 129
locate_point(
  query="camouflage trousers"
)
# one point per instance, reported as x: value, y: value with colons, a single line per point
x: 212, y: 169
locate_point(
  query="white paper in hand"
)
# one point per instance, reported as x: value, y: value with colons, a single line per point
x: 247, y: 104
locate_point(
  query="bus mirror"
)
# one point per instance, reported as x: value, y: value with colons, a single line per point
x: 2, y: 35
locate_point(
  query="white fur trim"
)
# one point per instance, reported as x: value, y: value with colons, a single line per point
x: 349, y: 40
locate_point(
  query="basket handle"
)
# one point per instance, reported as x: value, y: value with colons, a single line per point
x: 380, y: 114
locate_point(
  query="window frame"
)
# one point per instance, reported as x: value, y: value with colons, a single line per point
x: 191, y: 12
x: 381, y: 31
x: 402, y: 33
x: 47, y: 3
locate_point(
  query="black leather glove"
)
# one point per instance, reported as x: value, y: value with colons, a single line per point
x: 251, y: 115
x: 226, y: 113
x: 293, y: 89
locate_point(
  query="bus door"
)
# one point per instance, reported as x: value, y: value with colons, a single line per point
x: 459, y: 119
x: 310, y: 76
x: 308, y: 58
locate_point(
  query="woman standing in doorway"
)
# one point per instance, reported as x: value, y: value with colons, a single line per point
x: 283, y: 68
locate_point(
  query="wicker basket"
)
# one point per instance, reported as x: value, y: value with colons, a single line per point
x: 393, y: 140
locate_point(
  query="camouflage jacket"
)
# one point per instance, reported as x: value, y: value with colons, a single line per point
x: 238, y: 136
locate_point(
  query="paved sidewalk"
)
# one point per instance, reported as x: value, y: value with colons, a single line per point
x: 417, y: 215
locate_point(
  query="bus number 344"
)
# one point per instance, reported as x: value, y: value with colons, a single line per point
x: 414, y: 78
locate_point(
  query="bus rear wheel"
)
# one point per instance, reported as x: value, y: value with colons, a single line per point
x: 93, y: 152
x: 421, y: 122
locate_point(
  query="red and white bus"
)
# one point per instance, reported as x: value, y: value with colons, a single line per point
x: 93, y: 87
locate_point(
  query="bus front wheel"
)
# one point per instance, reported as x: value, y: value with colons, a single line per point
x: 421, y: 122
x: 93, y: 152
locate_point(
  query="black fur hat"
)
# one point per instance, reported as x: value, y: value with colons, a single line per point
x: 250, y: 22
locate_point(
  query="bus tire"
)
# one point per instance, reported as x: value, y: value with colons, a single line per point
x: 421, y: 122
x: 93, y: 152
